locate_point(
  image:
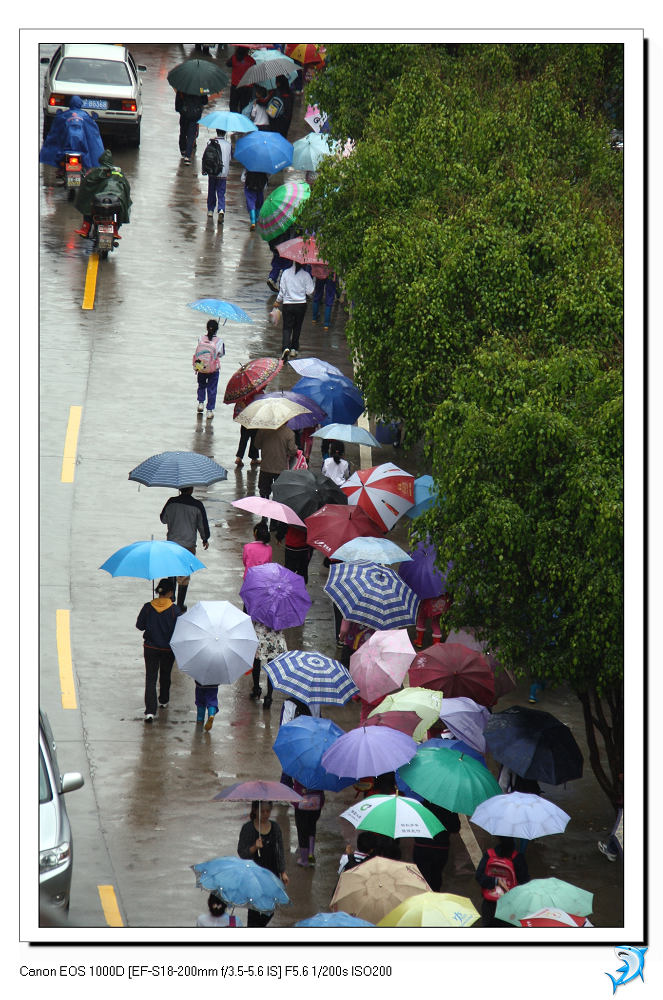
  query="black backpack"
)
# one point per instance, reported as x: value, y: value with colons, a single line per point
x: 212, y: 162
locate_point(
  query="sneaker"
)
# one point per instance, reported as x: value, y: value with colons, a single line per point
x: 149, y: 717
x: 210, y: 722
x: 163, y: 704
x: 187, y: 159
x: 532, y: 700
x: 254, y: 462
x: 286, y: 352
x: 314, y: 322
x: 325, y: 328
x: 604, y: 849
x: 201, y: 407
x: 257, y: 691
x: 272, y: 284
x: 210, y: 414
x: 293, y: 353
x: 252, y: 226
x: 221, y: 215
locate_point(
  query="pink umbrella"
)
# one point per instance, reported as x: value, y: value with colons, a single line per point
x: 405, y: 722
x: 304, y: 251
x: 263, y: 791
x: 385, y: 492
x: 269, y: 508
x: 379, y: 666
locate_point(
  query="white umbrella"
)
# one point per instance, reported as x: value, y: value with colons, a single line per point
x: 520, y: 815
x: 269, y: 413
x: 214, y: 642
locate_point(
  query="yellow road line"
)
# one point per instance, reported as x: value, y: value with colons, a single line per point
x: 365, y: 453
x: 70, y: 444
x: 63, y: 641
x: 90, y: 281
x: 470, y: 841
x: 110, y: 907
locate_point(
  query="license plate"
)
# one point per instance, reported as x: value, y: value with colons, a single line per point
x: 73, y: 180
x: 95, y: 104
x: 105, y: 228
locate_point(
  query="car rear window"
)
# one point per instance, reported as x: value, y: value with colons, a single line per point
x: 94, y: 71
x: 45, y: 792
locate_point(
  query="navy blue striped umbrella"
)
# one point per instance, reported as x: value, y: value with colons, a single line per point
x: 372, y: 595
x: 311, y: 677
x: 178, y: 468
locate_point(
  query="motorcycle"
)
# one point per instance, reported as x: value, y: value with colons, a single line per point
x: 106, y: 210
x: 73, y: 171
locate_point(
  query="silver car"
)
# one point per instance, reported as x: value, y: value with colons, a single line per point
x: 56, y: 850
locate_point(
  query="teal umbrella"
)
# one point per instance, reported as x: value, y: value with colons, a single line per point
x: 309, y: 152
x: 525, y: 899
x: 221, y: 309
x: 450, y: 779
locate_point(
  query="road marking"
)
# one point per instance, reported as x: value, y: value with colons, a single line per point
x: 90, y: 281
x: 110, y: 907
x: 470, y: 841
x: 63, y: 641
x: 365, y: 453
x: 70, y: 444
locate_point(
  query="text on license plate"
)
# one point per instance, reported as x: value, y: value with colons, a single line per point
x: 74, y: 180
x: 98, y: 105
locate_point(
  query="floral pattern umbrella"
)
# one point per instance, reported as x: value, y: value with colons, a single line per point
x: 251, y: 377
x: 380, y: 665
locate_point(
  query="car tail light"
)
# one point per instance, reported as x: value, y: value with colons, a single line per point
x: 57, y: 99
x: 74, y: 161
x: 128, y: 105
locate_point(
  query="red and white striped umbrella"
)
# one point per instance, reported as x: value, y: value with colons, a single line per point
x: 385, y: 492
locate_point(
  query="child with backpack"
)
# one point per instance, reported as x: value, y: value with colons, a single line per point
x: 254, y: 191
x: 190, y: 108
x: 206, y: 363
x: 500, y: 869
x: 216, y: 165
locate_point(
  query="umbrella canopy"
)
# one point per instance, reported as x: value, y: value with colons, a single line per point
x: 178, y: 468
x: 425, y: 703
x: 381, y: 663
x: 432, y: 909
x: 422, y: 574
x: 312, y: 414
x: 456, y: 670
x: 214, y: 642
x: 520, y: 815
x: 302, y: 250
x: 312, y: 678
x: 336, y: 523
x: 269, y: 508
x: 266, y: 69
x: 549, y: 917
x: 385, y: 492
x: 221, y: 309
x: 309, y: 152
x: 339, y: 919
x: 393, y: 816
x: 425, y: 496
x: 534, y: 745
x: 373, y: 888
x: 304, y: 53
x: 449, y: 779
x: 228, y: 121
x: 197, y: 76
x: 281, y: 208
x: 275, y: 596
x: 466, y: 720
x: 377, y: 550
x: 269, y: 414
x: 368, y: 751
x: 371, y: 595
x: 305, y: 491
x: 241, y: 882
x: 251, y: 377
x: 456, y: 745
x: 313, y: 367
x: 299, y: 746
x: 405, y: 722
x: 347, y: 432
x: 262, y: 791
x: 337, y: 395
x: 542, y: 892
x: 152, y: 560
x: 504, y: 679
x: 266, y: 152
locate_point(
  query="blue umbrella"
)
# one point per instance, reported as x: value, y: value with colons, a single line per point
x: 229, y: 121
x: 241, y: 882
x: 338, y: 396
x: 425, y: 496
x: 372, y: 595
x: 311, y: 677
x: 367, y: 549
x: 220, y: 309
x: 347, y: 432
x: 299, y: 746
x: 267, y: 152
x: 178, y: 468
x: 152, y: 560
x: 314, y: 367
x: 422, y: 574
x: 340, y: 919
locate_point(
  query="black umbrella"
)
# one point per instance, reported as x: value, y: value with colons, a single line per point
x: 198, y: 76
x: 305, y: 491
x: 268, y: 69
x: 534, y: 745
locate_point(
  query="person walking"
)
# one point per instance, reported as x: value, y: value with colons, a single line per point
x: 216, y: 164
x: 254, y: 182
x: 324, y: 288
x: 206, y: 701
x: 216, y: 915
x: 190, y: 108
x: 280, y: 106
x: 206, y: 362
x: 500, y: 869
x: 246, y: 436
x: 307, y: 814
x: 297, y: 553
x: 185, y: 518
x: 271, y: 643
x: 431, y: 609
x: 259, y: 551
x: 277, y: 447
x: 336, y: 467
x: 257, y: 109
x: 157, y: 620
x: 261, y: 840
x: 239, y: 62
x: 296, y: 284
x: 430, y: 855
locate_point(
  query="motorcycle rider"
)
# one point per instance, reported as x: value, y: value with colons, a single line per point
x: 72, y: 131
x: 107, y: 178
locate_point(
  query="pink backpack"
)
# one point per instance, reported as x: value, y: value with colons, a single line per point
x: 208, y: 354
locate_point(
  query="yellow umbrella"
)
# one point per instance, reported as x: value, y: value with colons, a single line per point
x: 426, y: 703
x: 432, y: 909
x: 373, y: 888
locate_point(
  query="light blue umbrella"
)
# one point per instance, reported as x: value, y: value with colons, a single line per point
x: 152, y: 560
x: 229, y: 121
x: 299, y: 746
x: 345, y: 432
x: 372, y: 595
x: 178, y: 468
x: 314, y: 367
x: 241, y: 882
x: 425, y: 496
x: 377, y: 550
x: 340, y: 919
x: 309, y: 152
x: 221, y: 309
x: 266, y: 152
x: 311, y: 677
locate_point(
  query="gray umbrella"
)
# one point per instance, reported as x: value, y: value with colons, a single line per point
x: 266, y: 70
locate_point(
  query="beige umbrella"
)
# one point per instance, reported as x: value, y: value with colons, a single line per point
x: 269, y: 414
x: 375, y: 887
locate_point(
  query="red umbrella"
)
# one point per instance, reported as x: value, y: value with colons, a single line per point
x: 406, y: 722
x: 304, y: 251
x: 549, y: 917
x: 250, y: 377
x: 504, y: 679
x: 385, y: 492
x: 334, y: 524
x: 456, y: 670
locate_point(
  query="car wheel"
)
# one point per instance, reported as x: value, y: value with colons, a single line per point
x: 133, y: 138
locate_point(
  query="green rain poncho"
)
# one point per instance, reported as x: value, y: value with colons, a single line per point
x: 105, y: 178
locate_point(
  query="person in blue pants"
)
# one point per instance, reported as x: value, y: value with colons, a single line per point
x: 324, y: 287
x: 207, y: 700
x: 254, y: 193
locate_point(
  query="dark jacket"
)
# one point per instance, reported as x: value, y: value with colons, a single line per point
x: 190, y: 106
x: 106, y: 179
x: 186, y: 517
x: 449, y: 821
x: 282, y: 123
x: 272, y: 855
x: 158, y: 623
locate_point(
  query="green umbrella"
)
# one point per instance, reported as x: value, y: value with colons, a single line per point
x: 426, y: 703
x: 540, y: 892
x: 280, y: 209
x: 449, y: 779
x: 394, y: 816
x: 198, y: 76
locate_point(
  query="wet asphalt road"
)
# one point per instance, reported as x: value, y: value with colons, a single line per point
x: 146, y: 812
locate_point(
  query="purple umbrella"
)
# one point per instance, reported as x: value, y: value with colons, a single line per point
x: 368, y: 751
x: 275, y: 596
x: 262, y: 791
x: 466, y: 720
x: 315, y: 415
x: 421, y: 574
